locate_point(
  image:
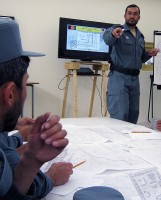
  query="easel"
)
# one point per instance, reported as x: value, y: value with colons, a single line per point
x: 151, y: 98
x: 31, y: 84
x: 153, y: 82
x: 156, y: 77
x: 74, y: 66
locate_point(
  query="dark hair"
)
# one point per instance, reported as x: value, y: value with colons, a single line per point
x: 14, y: 70
x: 132, y: 6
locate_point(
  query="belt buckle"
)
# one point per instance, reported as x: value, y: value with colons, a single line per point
x: 127, y: 71
x: 133, y: 73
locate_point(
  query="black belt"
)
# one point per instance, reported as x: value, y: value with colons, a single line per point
x: 132, y: 72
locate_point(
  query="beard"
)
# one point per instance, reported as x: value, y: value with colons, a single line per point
x: 12, y: 115
x: 131, y: 23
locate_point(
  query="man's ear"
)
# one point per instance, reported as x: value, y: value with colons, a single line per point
x: 9, y: 93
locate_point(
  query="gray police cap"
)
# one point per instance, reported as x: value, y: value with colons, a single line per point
x: 98, y: 193
x: 10, y: 41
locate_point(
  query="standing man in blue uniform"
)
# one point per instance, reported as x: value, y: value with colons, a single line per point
x: 128, y: 54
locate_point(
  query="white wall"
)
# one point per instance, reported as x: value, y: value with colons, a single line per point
x: 38, y: 21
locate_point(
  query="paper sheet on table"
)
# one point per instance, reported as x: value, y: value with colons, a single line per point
x: 93, y: 134
x: 119, y: 159
x: 75, y: 155
x: 141, y: 145
x: 151, y: 156
x: 111, y: 134
x: 141, y: 184
x: 148, y: 150
x: 84, y: 135
x: 146, y: 136
x: 147, y: 183
x: 99, y: 158
x: 136, y: 128
x: 121, y: 182
x: 77, y: 180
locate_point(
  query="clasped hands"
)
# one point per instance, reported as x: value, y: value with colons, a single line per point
x: 45, y: 141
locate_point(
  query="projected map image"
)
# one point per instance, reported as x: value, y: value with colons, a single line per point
x: 86, y: 39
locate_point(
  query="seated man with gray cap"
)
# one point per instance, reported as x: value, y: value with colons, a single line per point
x: 20, y: 175
x: 98, y: 193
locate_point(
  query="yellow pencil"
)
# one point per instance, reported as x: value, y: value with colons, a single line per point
x: 79, y: 164
x: 140, y: 132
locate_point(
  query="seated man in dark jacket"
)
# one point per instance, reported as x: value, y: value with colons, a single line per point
x: 20, y: 175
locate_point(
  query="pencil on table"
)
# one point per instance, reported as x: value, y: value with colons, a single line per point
x: 79, y: 164
x: 140, y: 132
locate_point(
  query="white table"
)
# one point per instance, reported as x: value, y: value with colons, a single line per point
x: 121, y: 128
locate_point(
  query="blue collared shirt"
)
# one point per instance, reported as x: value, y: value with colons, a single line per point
x: 9, y: 158
x: 127, y: 51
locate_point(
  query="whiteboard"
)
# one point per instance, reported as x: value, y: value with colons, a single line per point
x: 157, y: 59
